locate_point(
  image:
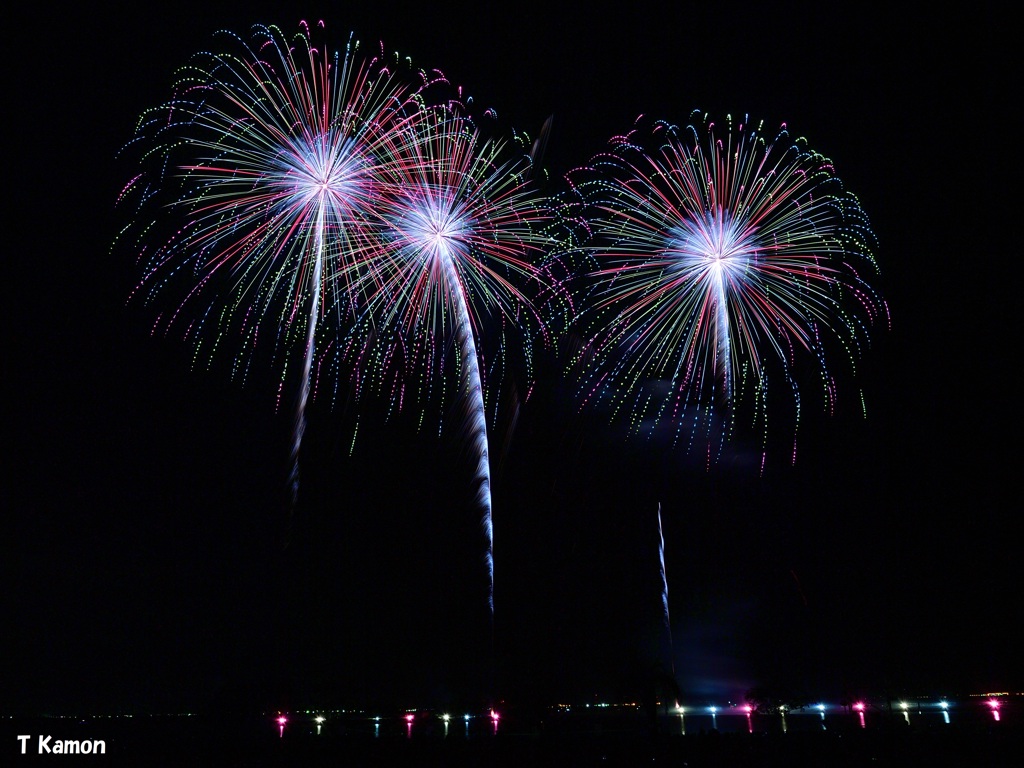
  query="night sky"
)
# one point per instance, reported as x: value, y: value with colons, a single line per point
x: 148, y: 556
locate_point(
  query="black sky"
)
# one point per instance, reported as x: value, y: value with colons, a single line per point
x: 144, y: 553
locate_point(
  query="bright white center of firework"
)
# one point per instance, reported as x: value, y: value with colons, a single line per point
x: 716, y: 247
x: 323, y: 168
x: 433, y: 231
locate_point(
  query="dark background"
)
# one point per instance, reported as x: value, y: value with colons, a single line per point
x: 149, y: 563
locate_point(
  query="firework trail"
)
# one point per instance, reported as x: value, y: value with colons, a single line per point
x: 257, y: 198
x: 664, y: 595
x: 664, y: 578
x: 463, y: 268
x: 713, y: 258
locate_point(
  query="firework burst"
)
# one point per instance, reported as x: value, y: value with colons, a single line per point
x: 462, y: 273
x: 257, y: 201
x: 717, y: 259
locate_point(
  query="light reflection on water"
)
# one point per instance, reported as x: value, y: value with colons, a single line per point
x: 679, y: 720
x: 382, y: 739
x: 691, y: 723
x: 696, y: 720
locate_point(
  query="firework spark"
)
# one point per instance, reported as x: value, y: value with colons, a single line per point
x: 263, y: 170
x: 716, y: 259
